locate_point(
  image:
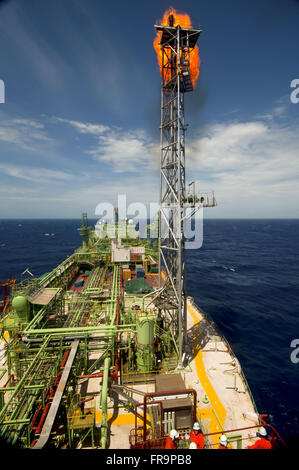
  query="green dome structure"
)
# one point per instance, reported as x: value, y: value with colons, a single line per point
x: 20, y: 306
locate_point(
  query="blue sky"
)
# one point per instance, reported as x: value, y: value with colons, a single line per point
x: 81, y: 114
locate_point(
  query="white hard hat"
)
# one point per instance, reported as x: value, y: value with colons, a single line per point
x: 196, y: 427
x: 193, y: 445
x: 174, y: 434
x: 223, y: 440
x: 262, y: 431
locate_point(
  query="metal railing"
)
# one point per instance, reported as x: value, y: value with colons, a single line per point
x: 137, y: 441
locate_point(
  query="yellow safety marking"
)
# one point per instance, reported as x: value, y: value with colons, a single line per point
x: 5, y: 337
x: 120, y: 420
x: 207, y: 413
x: 157, y: 274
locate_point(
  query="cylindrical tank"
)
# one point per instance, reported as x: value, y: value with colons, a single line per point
x: 21, y: 308
x: 145, y: 330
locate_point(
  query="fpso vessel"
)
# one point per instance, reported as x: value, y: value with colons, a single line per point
x: 107, y: 350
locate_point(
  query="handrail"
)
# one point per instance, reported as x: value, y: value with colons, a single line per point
x: 147, y: 444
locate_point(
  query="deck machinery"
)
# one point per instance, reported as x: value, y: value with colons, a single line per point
x: 92, y: 352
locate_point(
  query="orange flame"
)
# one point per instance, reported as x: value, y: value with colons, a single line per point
x: 184, y: 21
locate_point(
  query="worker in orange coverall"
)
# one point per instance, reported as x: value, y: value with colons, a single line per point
x: 197, y: 437
x: 171, y: 440
x: 263, y: 442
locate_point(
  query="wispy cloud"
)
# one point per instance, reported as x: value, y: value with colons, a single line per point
x: 85, y: 127
x: 265, y: 150
x: 39, y: 175
x: 253, y: 163
x: 26, y: 134
x: 125, y: 150
x: 279, y: 109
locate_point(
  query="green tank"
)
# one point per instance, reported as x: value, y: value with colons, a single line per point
x: 21, y: 308
x: 145, y: 330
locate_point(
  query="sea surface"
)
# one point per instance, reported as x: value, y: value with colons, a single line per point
x: 245, y: 276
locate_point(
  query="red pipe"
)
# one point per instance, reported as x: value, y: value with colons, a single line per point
x: 65, y: 358
x: 115, y: 373
x: 33, y: 428
x: 121, y: 284
x: 248, y: 427
x: 42, y: 419
x: 95, y: 376
x: 37, y: 429
x: 91, y: 376
x: 86, y: 400
x: 11, y: 378
x: 33, y: 443
x: 219, y: 432
x: 263, y: 419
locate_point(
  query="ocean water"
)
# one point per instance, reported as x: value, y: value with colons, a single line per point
x: 245, y: 276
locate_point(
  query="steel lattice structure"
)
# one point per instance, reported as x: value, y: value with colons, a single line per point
x: 176, y: 44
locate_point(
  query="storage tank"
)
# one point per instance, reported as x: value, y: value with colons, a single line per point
x: 145, y: 330
x: 21, y: 308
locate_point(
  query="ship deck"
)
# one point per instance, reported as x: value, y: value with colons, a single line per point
x: 223, y: 396
x: 224, y: 401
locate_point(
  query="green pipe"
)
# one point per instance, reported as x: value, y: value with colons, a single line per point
x: 22, y: 381
x: 218, y: 419
x: 55, y: 272
x: 39, y: 315
x: 14, y: 416
x: 104, y: 427
x: 27, y: 387
x: 79, y: 329
x: 93, y: 366
x: 20, y: 405
x: 235, y: 379
x: 15, y: 421
x: 24, y: 414
x: 115, y: 291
